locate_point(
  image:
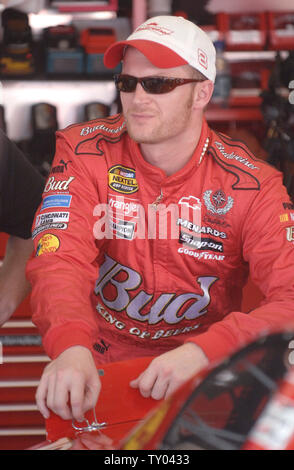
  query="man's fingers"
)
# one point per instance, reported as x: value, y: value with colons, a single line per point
x: 159, y: 388
x: 135, y: 382
x: 91, y: 395
x: 58, y: 396
x: 145, y: 382
x: 152, y: 386
x: 83, y: 399
x: 70, y: 385
x: 77, y: 402
x: 41, y: 396
x: 171, y: 388
x: 72, y: 395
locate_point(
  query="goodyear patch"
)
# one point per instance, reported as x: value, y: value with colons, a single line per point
x: 49, y: 243
x: 122, y: 179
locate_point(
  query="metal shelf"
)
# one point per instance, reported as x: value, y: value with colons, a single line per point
x: 245, y: 56
x: 85, y: 6
x: 221, y: 114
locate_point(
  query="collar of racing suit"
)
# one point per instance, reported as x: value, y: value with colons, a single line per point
x: 156, y: 182
x: 191, y: 165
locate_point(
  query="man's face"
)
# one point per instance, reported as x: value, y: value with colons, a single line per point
x: 153, y: 119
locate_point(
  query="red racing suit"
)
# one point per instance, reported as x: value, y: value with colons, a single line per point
x: 130, y: 262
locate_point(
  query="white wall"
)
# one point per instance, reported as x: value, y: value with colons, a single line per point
x: 69, y: 97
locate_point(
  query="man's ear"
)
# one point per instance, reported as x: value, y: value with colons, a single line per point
x: 203, y: 93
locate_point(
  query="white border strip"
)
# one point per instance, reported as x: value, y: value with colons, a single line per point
x: 30, y: 359
x: 22, y: 432
x: 18, y: 407
x: 18, y: 383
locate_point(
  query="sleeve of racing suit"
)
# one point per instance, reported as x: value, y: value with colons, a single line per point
x: 63, y: 272
x: 268, y: 247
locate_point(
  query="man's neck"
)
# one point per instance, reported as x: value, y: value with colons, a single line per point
x: 172, y: 155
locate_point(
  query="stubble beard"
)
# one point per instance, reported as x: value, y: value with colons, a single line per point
x: 162, y: 129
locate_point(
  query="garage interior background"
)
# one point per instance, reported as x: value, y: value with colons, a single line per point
x: 58, y: 79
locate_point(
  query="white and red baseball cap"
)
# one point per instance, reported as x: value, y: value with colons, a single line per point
x: 168, y: 41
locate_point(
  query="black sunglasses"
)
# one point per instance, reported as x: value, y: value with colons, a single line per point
x: 153, y: 85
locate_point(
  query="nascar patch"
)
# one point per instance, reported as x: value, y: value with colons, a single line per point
x: 122, y: 179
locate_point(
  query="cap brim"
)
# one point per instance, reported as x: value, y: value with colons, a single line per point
x: 159, y: 55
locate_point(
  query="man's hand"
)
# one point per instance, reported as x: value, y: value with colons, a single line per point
x: 70, y: 385
x: 170, y: 370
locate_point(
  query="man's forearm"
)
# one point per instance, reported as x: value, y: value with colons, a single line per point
x: 14, y: 286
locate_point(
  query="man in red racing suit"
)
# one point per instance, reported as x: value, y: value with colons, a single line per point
x: 152, y: 294
x: 130, y: 261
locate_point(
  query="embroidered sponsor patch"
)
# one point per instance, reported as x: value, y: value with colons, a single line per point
x: 49, y: 243
x: 217, y: 202
x: 56, y: 200
x: 201, y: 243
x: 51, y: 218
x: 234, y: 156
x: 53, y: 184
x: 61, y: 167
x: 288, y: 206
x: 290, y: 234
x: 123, y: 229
x: 124, y: 206
x: 284, y: 218
x: 201, y: 229
x: 122, y: 179
x: 155, y: 28
x: 201, y: 255
x: 128, y: 294
x: 191, y: 201
x: 54, y: 226
x: 101, y: 348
